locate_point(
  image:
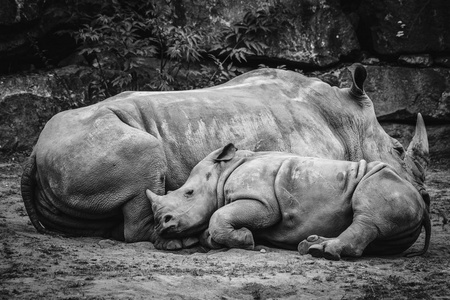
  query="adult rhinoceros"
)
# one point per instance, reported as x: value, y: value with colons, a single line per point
x: 324, y: 207
x: 89, y: 170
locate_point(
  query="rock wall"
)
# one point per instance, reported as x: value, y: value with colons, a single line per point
x: 398, y: 27
x: 28, y: 101
x: 325, y: 32
x: 399, y: 93
x: 320, y: 33
x: 405, y: 46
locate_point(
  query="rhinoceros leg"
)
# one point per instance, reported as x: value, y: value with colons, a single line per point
x: 231, y: 225
x: 138, y: 219
x: 138, y: 225
x: 387, y: 217
x: 351, y: 242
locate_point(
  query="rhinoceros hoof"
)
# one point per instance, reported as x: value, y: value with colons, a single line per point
x: 321, y: 250
x: 208, y: 242
x: 304, y: 245
x: 243, y: 238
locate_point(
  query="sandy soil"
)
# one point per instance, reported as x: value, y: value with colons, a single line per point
x: 51, y: 267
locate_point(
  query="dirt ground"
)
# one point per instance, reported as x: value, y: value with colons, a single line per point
x: 35, y: 266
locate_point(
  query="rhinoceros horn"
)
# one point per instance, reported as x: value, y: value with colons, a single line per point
x: 152, y: 197
x: 417, y: 155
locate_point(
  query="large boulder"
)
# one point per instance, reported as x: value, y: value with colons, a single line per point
x: 28, y: 101
x: 320, y: 34
x: 399, y: 93
x: 315, y: 33
x: 398, y: 27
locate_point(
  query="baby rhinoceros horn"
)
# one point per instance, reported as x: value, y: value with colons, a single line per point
x: 153, y: 198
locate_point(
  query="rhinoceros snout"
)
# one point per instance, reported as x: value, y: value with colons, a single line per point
x: 168, y: 220
x: 168, y: 224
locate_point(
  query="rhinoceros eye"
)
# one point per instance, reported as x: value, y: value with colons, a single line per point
x: 189, y: 193
x: 401, y: 151
x: 398, y: 147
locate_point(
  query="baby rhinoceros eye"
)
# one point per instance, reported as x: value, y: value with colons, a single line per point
x: 189, y: 193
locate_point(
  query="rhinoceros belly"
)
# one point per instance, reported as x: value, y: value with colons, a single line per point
x: 314, y: 196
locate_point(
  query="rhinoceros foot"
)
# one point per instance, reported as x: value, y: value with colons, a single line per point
x: 319, y: 246
x: 321, y: 250
x: 304, y: 245
x: 236, y: 238
x: 163, y: 244
x: 189, y: 242
x: 208, y: 242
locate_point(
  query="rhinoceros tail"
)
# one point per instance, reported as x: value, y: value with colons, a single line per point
x: 427, y: 224
x: 28, y: 187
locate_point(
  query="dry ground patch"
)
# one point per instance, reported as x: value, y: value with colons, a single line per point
x: 35, y: 266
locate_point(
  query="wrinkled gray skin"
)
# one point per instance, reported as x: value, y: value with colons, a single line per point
x: 324, y: 207
x: 91, y: 166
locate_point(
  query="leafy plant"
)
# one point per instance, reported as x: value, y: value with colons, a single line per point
x: 248, y: 38
x: 114, y: 44
x: 123, y: 41
x: 135, y: 45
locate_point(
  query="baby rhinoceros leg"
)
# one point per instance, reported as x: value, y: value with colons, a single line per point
x: 351, y: 242
x: 231, y: 225
x: 386, y: 209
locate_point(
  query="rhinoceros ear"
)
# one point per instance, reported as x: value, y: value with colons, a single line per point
x: 226, y: 153
x: 359, y: 75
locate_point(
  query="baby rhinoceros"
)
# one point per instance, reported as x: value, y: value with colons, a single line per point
x: 327, y: 208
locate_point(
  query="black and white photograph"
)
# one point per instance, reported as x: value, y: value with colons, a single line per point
x: 224, y: 149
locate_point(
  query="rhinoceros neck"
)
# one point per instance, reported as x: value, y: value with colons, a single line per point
x: 228, y: 169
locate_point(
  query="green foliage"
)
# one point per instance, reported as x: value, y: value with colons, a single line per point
x: 134, y: 45
x: 249, y: 37
x: 114, y: 43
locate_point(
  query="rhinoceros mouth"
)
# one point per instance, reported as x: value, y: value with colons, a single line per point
x: 168, y: 231
x: 179, y: 232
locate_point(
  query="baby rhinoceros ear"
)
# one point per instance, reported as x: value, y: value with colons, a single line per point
x: 226, y: 153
